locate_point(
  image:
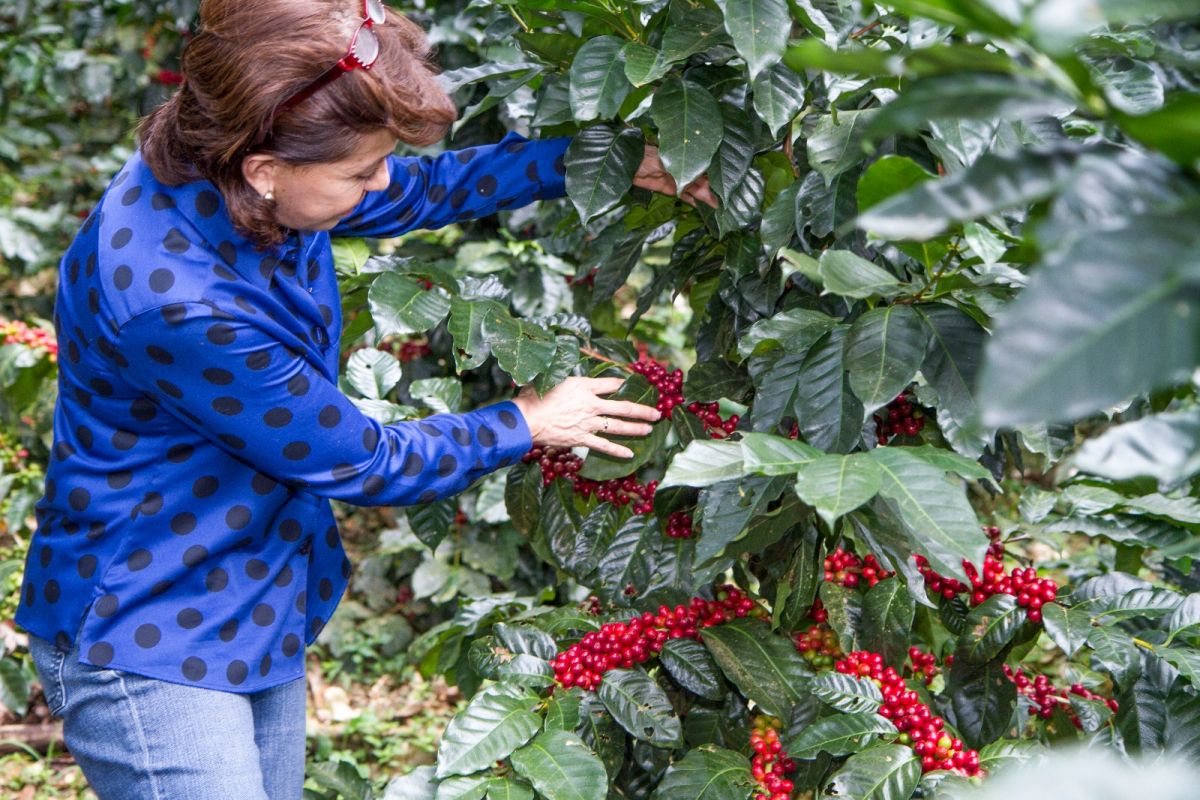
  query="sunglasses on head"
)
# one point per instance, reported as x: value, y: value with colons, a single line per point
x: 362, y: 54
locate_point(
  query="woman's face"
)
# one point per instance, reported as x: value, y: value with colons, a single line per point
x: 316, y: 197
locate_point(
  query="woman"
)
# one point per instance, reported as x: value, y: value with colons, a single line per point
x: 186, y: 550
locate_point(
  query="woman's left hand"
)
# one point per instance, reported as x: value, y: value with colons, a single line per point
x: 653, y: 175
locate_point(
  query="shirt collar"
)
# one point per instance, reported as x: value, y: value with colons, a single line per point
x: 201, y: 204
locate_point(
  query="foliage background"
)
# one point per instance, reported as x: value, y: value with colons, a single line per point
x: 995, y: 200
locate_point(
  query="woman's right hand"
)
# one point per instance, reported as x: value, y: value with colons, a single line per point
x: 573, y: 413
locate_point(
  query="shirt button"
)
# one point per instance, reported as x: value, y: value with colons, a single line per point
x: 310, y: 290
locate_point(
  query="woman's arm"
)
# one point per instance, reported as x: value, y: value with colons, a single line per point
x: 239, y: 387
x: 430, y: 192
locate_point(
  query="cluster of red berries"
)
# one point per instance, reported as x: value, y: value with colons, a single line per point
x: 1031, y: 591
x: 714, y: 425
x: 924, y: 665
x: 668, y: 382
x: 17, y: 332
x: 12, y: 455
x: 560, y: 462
x: 770, y: 763
x: 679, y: 525
x: 588, y: 280
x: 623, y: 644
x: 1045, y: 697
x: 900, y: 416
x: 407, y: 350
x: 818, y: 612
x: 846, y: 569
x: 168, y: 77
x: 919, y: 728
x: 818, y: 645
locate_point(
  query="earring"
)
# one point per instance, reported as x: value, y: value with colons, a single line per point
x: 269, y: 196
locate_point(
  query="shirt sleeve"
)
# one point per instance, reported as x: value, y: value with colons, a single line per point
x: 430, y: 192
x: 235, y: 384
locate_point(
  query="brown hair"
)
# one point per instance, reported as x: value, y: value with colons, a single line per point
x: 248, y: 58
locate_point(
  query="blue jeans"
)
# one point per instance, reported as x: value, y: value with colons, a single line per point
x: 137, y: 737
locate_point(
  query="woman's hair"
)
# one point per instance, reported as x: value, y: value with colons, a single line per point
x: 248, y: 58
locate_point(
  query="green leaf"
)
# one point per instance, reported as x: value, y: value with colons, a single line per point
x: 793, y: 330
x: 508, y: 789
x: 848, y: 275
x: 835, y: 144
x: 766, y: 454
x: 778, y: 96
x: 888, y: 177
x: 14, y: 687
x: 709, y: 381
x: 628, y: 560
x: 1182, y: 733
x: 827, y: 411
x: 706, y: 773
x: 966, y: 96
x: 496, y: 722
x: 847, y: 693
x: 466, y: 326
x: 1003, y: 753
x: 1162, y: 446
x: 883, y: 353
x: 522, y: 349
x: 1098, y: 300
x: 797, y: 587
x: 1068, y: 631
x: 561, y: 767
x: 838, y: 735
x: 372, y: 373
x: 704, y: 463
x: 692, y: 668
x: 759, y: 29
x: 993, y: 183
x: 599, y: 466
x: 952, y: 361
x: 726, y: 511
x: 443, y: 395
x: 1115, y: 652
x: 601, y: 733
x: 454, y: 79
x: 1174, y: 129
x: 734, y: 155
x: 935, y: 513
x: 577, y: 549
x: 342, y: 777
x: 523, y: 497
x: 641, y: 707
x: 765, y: 667
x: 601, y: 163
x: 982, y: 700
x: 643, y: 63
x: 990, y: 626
x: 836, y: 485
x: 690, y: 128
x: 598, y: 82
x: 777, y: 378
x: 882, y: 772
x: 844, y: 609
x: 563, y: 710
x: 400, y: 305
x: 1185, y: 618
x: 693, y: 28
x: 887, y: 620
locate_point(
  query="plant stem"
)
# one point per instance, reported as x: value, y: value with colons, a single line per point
x: 590, y: 353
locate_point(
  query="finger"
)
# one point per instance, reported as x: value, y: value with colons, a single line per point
x: 620, y: 427
x: 624, y: 408
x: 700, y: 190
x: 593, y: 442
x: 603, y: 385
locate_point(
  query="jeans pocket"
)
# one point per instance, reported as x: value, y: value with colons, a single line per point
x: 49, y: 661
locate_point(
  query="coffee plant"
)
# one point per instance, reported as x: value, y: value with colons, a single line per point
x: 921, y: 504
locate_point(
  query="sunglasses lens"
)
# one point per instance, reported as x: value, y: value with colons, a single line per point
x: 375, y: 12
x: 366, y: 46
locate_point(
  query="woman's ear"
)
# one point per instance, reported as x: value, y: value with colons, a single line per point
x: 259, y: 171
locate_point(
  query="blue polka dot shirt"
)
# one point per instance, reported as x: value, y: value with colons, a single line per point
x: 185, y: 532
